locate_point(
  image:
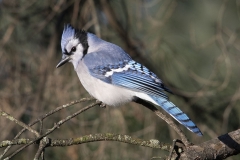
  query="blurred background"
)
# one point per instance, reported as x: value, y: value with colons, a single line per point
x: 193, y: 46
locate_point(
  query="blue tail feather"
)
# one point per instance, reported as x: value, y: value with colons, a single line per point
x: 177, y: 114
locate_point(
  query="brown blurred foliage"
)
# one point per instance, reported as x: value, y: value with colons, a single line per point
x: 193, y: 46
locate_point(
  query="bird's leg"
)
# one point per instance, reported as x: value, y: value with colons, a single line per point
x: 102, y: 105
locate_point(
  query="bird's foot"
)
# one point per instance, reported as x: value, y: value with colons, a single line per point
x: 102, y: 105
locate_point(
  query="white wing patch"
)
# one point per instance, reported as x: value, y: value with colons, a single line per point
x: 109, y: 73
x: 135, y: 67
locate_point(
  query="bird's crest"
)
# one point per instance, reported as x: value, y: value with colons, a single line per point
x: 68, y: 33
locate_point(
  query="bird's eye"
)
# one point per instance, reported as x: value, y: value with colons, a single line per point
x: 73, y: 49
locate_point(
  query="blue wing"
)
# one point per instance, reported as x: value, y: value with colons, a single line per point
x: 134, y: 76
x: 139, y: 82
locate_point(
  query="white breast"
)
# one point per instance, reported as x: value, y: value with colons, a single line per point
x: 107, y: 93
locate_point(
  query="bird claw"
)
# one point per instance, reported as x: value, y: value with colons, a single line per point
x: 102, y: 105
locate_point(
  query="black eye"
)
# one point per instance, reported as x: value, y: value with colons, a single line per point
x: 73, y: 49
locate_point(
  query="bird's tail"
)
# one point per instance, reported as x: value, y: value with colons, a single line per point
x: 177, y: 114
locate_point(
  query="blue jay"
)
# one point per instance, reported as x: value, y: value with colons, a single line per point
x: 109, y: 74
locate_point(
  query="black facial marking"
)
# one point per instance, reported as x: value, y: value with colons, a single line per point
x: 66, y: 52
x: 82, y: 36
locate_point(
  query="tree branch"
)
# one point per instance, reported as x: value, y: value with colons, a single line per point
x: 218, y: 148
x: 11, y: 118
x: 152, y: 143
x: 45, y: 116
x: 43, y: 144
x: 57, y: 125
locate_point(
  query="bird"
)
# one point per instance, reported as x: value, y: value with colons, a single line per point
x: 111, y: 76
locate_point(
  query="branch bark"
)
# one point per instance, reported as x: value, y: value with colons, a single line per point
x: 218, y: 148
x: 152, y: 143
x: 41, y: 119
x: 56, y: 126
x: 26, y: 127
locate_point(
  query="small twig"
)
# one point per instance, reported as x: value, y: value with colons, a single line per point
x: 15, y: 142
x: 45, y: 116
x: 42, y: 155
x: 8, y: 116
x: 43, y: 144
x: 56, y: 126
x: 165, y: 118
x: 41, y: 126
x: 95, y: 18
x: 172, y: 149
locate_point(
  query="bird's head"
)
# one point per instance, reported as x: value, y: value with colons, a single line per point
x: 74, y: 45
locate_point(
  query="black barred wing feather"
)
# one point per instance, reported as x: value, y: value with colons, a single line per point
x: 132, y: 75
x: 139, y: 82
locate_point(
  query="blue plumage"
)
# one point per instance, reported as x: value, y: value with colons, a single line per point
x: 109, y: 74
x: 177, y: 114
x: 134, y: 80
x: 68, y: 34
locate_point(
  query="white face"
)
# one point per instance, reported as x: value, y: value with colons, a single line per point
x: 75, y: 48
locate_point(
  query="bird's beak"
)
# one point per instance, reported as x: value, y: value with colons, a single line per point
x: 64, y: 60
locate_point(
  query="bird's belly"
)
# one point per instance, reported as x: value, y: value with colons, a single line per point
x: 108, y: 94
x: 104, y: 92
